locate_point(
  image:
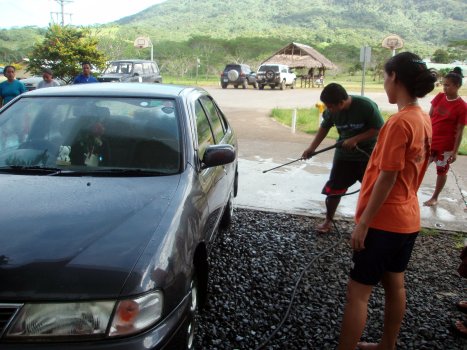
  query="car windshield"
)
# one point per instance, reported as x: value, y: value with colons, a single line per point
x: 119, y: 68
x: 266, y: 68
x: 91, y: 135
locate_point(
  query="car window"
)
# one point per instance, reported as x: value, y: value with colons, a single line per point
x: 216, y: 123
x: 267, y: 67
x: 232, y: 66
x: 119, y: 68
x: 138, y: 68
x: 148, y: 68
x: 154, y: 67
x: 85, y: 133
x: 203, y: 129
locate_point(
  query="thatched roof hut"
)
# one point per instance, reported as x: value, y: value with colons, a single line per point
x: 297, y: 55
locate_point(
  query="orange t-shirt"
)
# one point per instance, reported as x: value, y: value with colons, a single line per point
x: 403, y: 145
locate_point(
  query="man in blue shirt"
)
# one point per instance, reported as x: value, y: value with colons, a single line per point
x: 85, y: 77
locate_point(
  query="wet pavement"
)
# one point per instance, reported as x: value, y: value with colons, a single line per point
x: 296, y: 188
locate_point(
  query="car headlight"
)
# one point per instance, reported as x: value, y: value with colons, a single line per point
x: 133, y: 315
x: 87, y: 318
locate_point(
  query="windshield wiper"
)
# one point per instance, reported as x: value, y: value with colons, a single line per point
x: 127, y: 172
x: 26, y: 169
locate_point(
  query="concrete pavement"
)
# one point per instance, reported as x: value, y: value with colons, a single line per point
x: 296, y: 188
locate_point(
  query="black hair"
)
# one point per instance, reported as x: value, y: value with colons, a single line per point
x: 6, y: 68
x: 411, y: 72
x: 86, y: 62
x: 333, y: 94
x: 455, y: 76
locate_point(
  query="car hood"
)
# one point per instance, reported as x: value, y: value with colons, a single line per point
x: 76, y: 237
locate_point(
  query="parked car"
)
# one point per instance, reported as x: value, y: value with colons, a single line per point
x: 238, y: 75
x: 275, y: 75
x: 131, y: 71
x: 112, y: 195
x: 31, y: 82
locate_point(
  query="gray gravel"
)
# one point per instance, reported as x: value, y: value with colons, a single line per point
x: 256, y: 264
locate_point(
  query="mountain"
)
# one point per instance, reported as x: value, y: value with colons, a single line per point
x: 354, y: 22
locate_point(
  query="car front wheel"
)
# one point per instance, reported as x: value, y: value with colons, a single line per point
x: 188, y: 339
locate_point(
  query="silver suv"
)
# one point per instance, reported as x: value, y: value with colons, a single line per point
x: 274, y: 75
x: 136, y: 71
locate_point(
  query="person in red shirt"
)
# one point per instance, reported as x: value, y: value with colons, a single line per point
x: 388, y: 214
x: 448, y: 117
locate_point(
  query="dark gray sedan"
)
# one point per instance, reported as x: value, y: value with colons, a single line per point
x: 111, y: 196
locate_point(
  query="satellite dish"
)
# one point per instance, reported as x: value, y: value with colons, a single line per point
x: 393, y: 42
x: 142, y: 42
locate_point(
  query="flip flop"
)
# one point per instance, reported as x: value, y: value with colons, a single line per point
x: 462, y: 306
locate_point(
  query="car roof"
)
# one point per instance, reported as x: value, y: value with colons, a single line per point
x: 116, y: 89
x: 131, y: 60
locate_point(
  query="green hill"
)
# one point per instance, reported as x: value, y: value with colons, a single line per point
x: 217, y: 32
x: 354, y: 22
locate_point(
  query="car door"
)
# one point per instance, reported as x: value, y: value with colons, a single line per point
x: 213, y: 180
x: 138, y: 73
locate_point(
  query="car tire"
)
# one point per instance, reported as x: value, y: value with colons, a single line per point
x: 236, y: 86
x: 245, y: 84
x: 272, y: 87
x: 224, y: 86
x: 232, y: 75
x: 282, y: 85
x: 188, y: 339
x: 270, y: 75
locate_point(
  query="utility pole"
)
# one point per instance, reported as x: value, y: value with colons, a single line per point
x: 62, y: 12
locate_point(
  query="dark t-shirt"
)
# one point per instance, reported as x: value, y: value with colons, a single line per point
x: 363, y: 114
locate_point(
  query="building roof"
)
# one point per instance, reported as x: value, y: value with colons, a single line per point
x: 300, y: 56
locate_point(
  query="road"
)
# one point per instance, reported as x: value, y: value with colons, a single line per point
x: 296, y: 188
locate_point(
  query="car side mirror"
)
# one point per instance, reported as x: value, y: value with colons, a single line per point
x: 216, y: 155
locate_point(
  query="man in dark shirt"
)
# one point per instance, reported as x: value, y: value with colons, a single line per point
x: 85, y: 77
x: 358, y: 121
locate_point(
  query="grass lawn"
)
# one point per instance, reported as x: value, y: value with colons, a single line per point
x: 307, y: 121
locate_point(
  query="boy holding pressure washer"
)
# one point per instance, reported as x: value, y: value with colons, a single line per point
x: 358, y: 121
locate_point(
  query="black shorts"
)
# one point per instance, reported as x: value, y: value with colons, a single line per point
x: 384, y: 252
x: 344, y: 173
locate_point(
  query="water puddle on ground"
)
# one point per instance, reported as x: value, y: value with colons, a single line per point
x: 294, y: 188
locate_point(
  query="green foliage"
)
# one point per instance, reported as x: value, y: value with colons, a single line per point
x: 250, y: 31
x: 63, y: 49
x: 440, y: 56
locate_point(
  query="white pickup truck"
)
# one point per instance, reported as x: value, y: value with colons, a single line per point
x: 275, y: 75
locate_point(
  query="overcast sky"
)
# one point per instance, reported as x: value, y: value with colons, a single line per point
x: 20, y: 13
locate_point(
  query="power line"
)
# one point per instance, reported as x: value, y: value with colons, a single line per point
x: 62, y: 12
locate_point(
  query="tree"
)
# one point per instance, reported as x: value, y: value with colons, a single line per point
x: 63, y: 50
x: 440, y: 56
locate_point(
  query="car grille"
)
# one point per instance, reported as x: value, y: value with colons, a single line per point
x: 7, y: 312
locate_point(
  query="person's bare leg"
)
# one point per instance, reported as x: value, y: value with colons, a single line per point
x: 440, y: 182
x: 331, y: 207
x: 355, y: 314
x: 394, y: 310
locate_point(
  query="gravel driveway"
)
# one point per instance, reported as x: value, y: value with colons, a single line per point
x: 256, y: 264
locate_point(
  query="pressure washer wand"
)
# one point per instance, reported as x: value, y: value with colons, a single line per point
x: 336, y: 145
